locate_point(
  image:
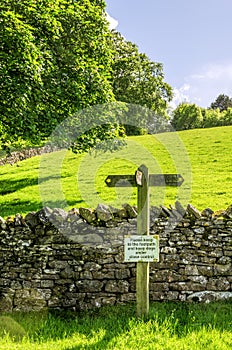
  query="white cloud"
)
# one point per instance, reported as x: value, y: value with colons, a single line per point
x: 180, y: 95
x: 203, y: 87
x: 113, y: 23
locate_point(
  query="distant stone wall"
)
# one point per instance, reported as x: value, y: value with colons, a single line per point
x: 18, y: 156
x: 75, y: 260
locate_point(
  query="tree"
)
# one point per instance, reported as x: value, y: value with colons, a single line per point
x: 138, y: 80
x: 187, y: 116
x: 55, y: 60
x: 222, y: 102
x: 211, y: 117
x: 227, y: 117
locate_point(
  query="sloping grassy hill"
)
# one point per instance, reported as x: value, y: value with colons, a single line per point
x: 202, y: 156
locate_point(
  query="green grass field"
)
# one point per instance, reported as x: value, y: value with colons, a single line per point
x: 202, y: 156
x: 171, y: 326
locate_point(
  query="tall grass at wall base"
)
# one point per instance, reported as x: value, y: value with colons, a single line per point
x: 169, y: 326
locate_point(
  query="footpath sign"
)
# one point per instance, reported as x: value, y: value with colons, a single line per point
x: 141, y: 248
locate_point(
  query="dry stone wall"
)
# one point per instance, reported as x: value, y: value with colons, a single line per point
x: 75, y: 260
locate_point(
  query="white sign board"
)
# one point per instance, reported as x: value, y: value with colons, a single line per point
x: 141, y: 248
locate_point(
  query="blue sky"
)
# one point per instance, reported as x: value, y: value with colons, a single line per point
x: 192, y: 38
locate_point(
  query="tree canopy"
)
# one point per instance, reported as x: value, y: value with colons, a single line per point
x: 55, y: 60
x: 138, y: 80
x: 187, y: 116
x: 190, y: 116
x: 58, y: 57
x: 222, y: 102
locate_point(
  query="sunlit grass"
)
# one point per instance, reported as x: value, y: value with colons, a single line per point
x: 168, y: 326
x: 203, y: 157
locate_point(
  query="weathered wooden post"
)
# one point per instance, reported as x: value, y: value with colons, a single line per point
x: 139, y: 248
x: 143, y: 225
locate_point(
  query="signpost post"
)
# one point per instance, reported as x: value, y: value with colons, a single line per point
x: 143, y: 180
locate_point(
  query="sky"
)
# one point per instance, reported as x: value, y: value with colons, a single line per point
x: 191, y: 38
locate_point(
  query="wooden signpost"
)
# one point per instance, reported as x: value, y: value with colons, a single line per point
x: 143, y: 180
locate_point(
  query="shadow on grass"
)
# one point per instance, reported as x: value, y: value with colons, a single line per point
x: 17, y: 206
x: 11, y: 186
